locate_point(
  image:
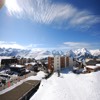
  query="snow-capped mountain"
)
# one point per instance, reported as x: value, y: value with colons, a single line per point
x: 70, y: 53
x: 24, y: 53
x: 13, y: 52
x: 95, y: 52
x: 39, y: 54
x: 82, y: 51
x: 55, y: 52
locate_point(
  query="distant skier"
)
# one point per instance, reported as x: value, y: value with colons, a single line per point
x: 58, y: 71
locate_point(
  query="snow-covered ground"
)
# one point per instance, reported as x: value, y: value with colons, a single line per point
x: 95, y: 52
x: 70, y: 86
x: 39, y: 76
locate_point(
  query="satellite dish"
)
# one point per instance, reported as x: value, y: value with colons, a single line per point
x: 2, y: 3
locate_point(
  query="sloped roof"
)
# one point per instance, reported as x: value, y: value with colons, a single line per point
x: 19, y: 91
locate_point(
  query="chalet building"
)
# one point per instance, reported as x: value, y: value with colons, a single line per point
x: 5, y: 63
x: 92, y: 61
x: 30, y: 65
x: 22, y: 61
x: 9, y: 61
x: 18, y: 69
x: 57, y: 62
x: 98, y: 66
x: 93, y: 68
x: 92, y: 65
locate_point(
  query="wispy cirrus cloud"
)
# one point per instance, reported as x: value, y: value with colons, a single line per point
x: 77, y: 45
x: 85, y: 19
x: 47, y: 12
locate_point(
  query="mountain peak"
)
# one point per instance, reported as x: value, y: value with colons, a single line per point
x: 84, y: 50
x: 45, y: 53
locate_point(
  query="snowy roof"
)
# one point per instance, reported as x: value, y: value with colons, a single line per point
x: 98, y: 59
x: 98, y: 65
x: 18, y: 66
x: 39, y: 76
x: 4, y: 57
x: 46, y: 62
x: 41, y: 57
x: 92, y: 67
x: 32, y: 63
x: 88, y: 59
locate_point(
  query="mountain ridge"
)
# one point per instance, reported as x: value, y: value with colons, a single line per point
x: 79, y: 53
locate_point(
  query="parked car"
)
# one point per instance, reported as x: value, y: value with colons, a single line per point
x: 10, y: 72
x: 5, y: 76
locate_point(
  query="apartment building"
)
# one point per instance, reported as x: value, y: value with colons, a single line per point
x: 57, y: 62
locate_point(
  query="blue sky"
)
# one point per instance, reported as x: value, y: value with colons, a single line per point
x: 50, y: 24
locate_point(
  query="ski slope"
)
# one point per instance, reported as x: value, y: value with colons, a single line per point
x: 70, y: 86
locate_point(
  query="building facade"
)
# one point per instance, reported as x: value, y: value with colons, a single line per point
x: 5, y: 63
x: 57, y: 62
x: 21, y: 70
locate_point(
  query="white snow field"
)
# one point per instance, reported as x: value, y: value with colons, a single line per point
x: 40, y: 75
x: 69, y: 86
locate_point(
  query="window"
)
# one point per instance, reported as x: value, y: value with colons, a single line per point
x: 58, y: 64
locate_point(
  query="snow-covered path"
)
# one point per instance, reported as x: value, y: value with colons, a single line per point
x: 70, y: 87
